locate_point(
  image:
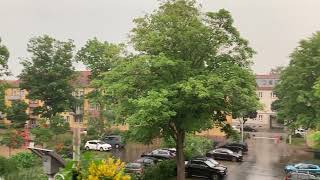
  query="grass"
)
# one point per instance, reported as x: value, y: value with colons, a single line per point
x: 298, y: 141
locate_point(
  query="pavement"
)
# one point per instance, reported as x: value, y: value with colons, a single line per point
x: 263, y: 161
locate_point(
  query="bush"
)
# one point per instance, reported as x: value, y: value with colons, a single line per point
x: 35, y: 173
x: 7, y: 166
x: 162, y: 170
x: 25, y: 160
x: 194, y: 145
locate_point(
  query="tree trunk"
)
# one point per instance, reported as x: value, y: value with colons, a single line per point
x: 180, y: 156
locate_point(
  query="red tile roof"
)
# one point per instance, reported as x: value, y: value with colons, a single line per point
x: 267, y: 76
x: 82, y: 79
x: 11, y: 83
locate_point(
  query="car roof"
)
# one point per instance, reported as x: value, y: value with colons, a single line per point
x: 94, y: 141
x: 223, y: 149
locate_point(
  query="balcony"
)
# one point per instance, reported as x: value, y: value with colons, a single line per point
x: 14, y: 97
x: 33, y: 116
x: 33, y: 105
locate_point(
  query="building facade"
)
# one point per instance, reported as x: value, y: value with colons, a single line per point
x: 82, y: 88
x: 265, y: 92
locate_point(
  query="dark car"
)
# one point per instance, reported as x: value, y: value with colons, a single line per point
x: 242, y: 145
x: 115, y: 141
x: 160, y: 154
x: 148, y: 161
x: 205, y: 167
x: 249, y: 129
x: 225, y: 154
x: 235, y: 147
x: 134, y: 168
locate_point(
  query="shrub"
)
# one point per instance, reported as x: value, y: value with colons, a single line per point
x: 194, y: 145
x: 7, y: 166
x: 162, y: 170
x: 25, y: 160
x: 35, y: 173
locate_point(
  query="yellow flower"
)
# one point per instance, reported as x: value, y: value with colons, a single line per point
x: 109, y: 168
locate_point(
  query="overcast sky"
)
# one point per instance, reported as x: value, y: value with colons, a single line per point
x: 273, y: 27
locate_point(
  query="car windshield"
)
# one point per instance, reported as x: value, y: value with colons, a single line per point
x: 210, y: 164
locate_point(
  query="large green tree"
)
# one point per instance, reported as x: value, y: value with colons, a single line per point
x: 298, y: 103
x: 47, y: 74
x: 99, y: 56
x: 4, y: 56
x: 17, y: 114
x: 191, y: 71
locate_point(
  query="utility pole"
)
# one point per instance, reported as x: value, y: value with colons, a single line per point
x: 76, y: 135
x: 241, y: 121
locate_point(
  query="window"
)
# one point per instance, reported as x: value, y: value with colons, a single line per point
x: 68, y: 118
x: 260, y: 117
x: 81, y: 93
x: 270, y: 82
x: 92, y: 106
x: 260, y: 94
x: 273, y: 95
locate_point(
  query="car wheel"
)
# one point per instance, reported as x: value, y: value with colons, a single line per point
x: 87, y: 148
x: 117, y: 146
x: 234, y: 159
x: 215, y: 177
x: 101, y: 149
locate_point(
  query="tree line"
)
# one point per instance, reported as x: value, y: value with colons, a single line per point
x: 189, y: 70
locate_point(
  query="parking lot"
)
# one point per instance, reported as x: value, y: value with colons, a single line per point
x: 265, y: 159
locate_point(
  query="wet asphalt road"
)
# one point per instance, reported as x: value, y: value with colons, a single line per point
x: 263, y: 162
x: 265, y: 159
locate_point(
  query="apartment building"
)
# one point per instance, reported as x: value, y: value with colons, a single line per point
x: 82, y: 88
x: 265, y: 91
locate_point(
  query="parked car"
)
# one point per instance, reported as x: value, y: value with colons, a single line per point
x: 303, y: 168
x: 235, y: 147
x: 249, y: 129
x: 148, y: 161
x: 300, y: 131
x: 116, y: 141
x: 224, y: 154
x: 160, y: 154
x: 299, y: 176
x: 205, y: 167
x: 134, y: 168
x: 97, y: 145
x: 243, y: 145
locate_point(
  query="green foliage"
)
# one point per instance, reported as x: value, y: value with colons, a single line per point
x: 193, y: 146
x: 58, y: 125
x: 25, y: 160
x: 7, y: 166
x: 96, y: 127
x: 192, y: 69
x: 299, y: 102
x: 35, y: 173
x: 3, y: 87
x: 47, y: 74
x: 12, y: 139
x: 42, y: 135
x: 17, y: 113
x: 98, y: 56
x: 162, y: 170
x: 4, y: 56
